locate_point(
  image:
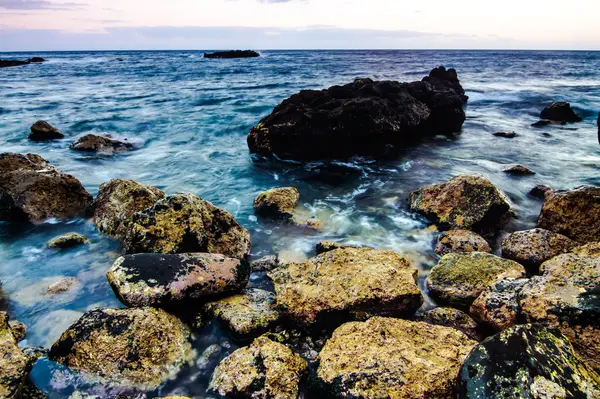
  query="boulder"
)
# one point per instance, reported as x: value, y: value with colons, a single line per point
x: 12, y: 63
x: 560, y: 112
x: 277, y: 203
x: 171, y: 280
x: 462, y: 242
x: 517, y: 170
x: 466, y: 202
x: 265, y: 369
x: 19, y: 330
x: 540, y: 191
x: 344, y: 284
x: 326, y: 246
x: 68, y: 240
x: 591, y: 249
x: 566, y: 296
x: 364, y: 117
x: 498, y: 305
x: 458, y: 279
x: 43, y: 131
x: 531, y: 248
x: 573, y: 213
x: 545, y: 122
x: 233, y: 54
x: 10, y: 162
x: 139, y: 347
x: 62, y: 285
x: 37, y: 60
x: 507, y: 135
x: 185, y: 223
x: 392, y: 358
x: 14, y: 364
x: 453, y: 318
x: 101, y: 144
x: 526, y: 361
x: 116, y: 203
x: 265, y: 264
x: 250, y: 313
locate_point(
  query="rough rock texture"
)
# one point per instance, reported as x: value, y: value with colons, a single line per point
x: 185, y: 223
x: 102, y: 144
x: 68, y: 240
x: 540, y: 191
x: 116, y: 203
x: 526, y: 361
x: 566, y: 296
x: 32, y: 189
x: 326, y: 246
x: 43, y: 131
x: 14, y: 364
x: 233, y: 54
x: 573, y: 213
x: 265, y: 369
x: 466, y: 202
x: 19, y: 330
x: 166, y: 280
x: 265, y: 264
x: 461, y: 241
x: 531, y: 248
x: 392, y: 358
x: 249, y: 313
x: 518, y: 170
x: 62, y: 285
x: 277, y: 203
x: 458, y: 279
x: 340, y: 284
x: 507, y: 135
x: 591, y: 249
x: 454, y: 318
x: 361, y: 118
x: 498, y: 305
x: 140, y: 347
x: 560, y: 112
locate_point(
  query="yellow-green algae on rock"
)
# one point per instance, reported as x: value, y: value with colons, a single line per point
x: 498, y: 306
x: 265, y: 369
x: 278, y: 203
x: 392, y: 358
x: 14, y: 364
x: 68, y: 240
x: 531, y: 248
x: 340, y: 284
x: 461, y: 241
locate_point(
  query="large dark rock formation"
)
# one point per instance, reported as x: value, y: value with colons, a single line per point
x: 233, y: 54
x: 43, y: 131
x: 560, y: 112
x: 364, y: 117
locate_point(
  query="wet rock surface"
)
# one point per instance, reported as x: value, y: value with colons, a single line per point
x: 517, y: 170
x: 346, y: 283
x: 540, y: 191
x: 166, y: 280
x: 453, y: 318
x: 101, y: 144
x: 458, y: 279
x: 461, y: 241
x: 277, y: 203
x: 365, y: 117
x: 560, y: 112
x: 392, y: 358
x: 265, y: 264
x: 233, y: 54
x: 68, y: 240
x: 498, y: 305
x: 326, y: 246
x: 43, y: 131
x: 469, y: 202
x: 132, y: 347
x: 507, y: 135
x: 531, y: 248
x: 14, y: 364
x: 62, y: 285
x: 526, y: 361
x: 19, y: 330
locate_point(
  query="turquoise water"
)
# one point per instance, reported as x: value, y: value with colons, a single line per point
x: 190, y: 116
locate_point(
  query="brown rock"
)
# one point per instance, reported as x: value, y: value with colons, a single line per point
x: 326, y: 246
x: 498, y: 305
x: 277, y: 203
x: 540, y: 191
x: 461, y: 241
x: 101, y: 144
x: 68, y: 240
x: 453, y: 318
x: 43, y: 131
x: 517, y: 170
x: 531, y: 248
x: 14, y: 364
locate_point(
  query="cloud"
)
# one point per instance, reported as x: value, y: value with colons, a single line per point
x: 37, y: 5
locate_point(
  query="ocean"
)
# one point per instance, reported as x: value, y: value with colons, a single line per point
x: 190, y: 117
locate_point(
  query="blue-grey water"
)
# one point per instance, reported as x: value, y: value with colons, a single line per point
x: 190, y: 117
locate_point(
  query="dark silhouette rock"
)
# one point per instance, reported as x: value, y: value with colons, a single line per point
x: 43, y: 131
x: 560, y: 112
x: 507, y: 135
x: 545, y: 122
x: 36, y: 60
x: 540, y: 191
x: 11, y: 63
x: 364, y: 117
x: 233, y: 54
x: 518, y: 170
x: 102, y: 144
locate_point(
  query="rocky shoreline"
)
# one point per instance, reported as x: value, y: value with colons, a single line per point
x: 348, y: 322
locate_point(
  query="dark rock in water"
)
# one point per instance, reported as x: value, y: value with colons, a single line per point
x: 170, y: 280
x: 454, y: 318
x: 498, y: 305
x: 361, y: 118
x: 545, y: 122
x: 37, y: 59
x: 12, y: 63
x: 531, y: 248
x: 526, y: 361
x: 139, y: 347
x: 461, y: 241
x: 540, y: 191
x: 326, y: 246
x: 560, y: 112
x: 107, y: 145
x: 233, y: 54
x: 43, y: 131
x: 185, y: 223
x: 120, y: 59
x: 518, y: 170
x: 14, y: 364
x: 69, y: 240
x: 507, y: 135
x: 574, y: 213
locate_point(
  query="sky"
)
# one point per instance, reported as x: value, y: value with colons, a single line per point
x: 40, y: 25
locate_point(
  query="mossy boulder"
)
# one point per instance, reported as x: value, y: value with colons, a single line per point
x: 101, y: 144
x: 470, y: 202
x: 185, y: 223
x: 462, y: 242
x: 526, y: 361
x: 118, y: 200
x: 14, y: 364
x: 277, y: 203
x: 346, y: 283
x: 498, y: 305
x: 458, y: 279
x: 453, y: 318
x: 573, y: 213
x: 139, y: 347
x: 43, y: 131
x: 566, y: 296
x: 591, y: 249
x: 531, y: 248
x: 391, y: 358
x: 265, y: 369
x: 247, y: 314
x: 68, y: 240
x: 171, y: 280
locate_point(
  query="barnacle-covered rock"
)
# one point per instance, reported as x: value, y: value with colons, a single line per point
x: 498, y: 305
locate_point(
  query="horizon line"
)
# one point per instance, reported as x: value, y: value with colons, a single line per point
x: 299, y: 49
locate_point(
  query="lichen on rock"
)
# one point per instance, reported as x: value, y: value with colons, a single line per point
x: 531, y: 248
x: 14, y: 364
x: 498, y: 305
x: 68, y: 240
x: 461, y: 241
x: 277, y: 203
x: 453, y: 318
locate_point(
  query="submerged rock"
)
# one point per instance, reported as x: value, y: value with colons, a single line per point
x: 342, y: 284
x: 68, y: 240
x: 265, y: 369
x: 170, y: 280
x: 43, y: 131
x: 560, y: 112
x: 14, y: 364
x: 462, y: 242
x: 62, y: 285
x: 531, y: 248
x: 184, y: 223
x: 392, y: 358
x: 453, y: 318
x: 573, y: 213
x: 233, y: 54
x: 507, y: 135
x: 365, y: 117
x: 517, y: 170
x: 141, y: 347
x: 458, y: 279
x: 498, y: 305
x: 526, y: 361
x: 102, y: 144
x: 117, y: 201
x: 469, y: 202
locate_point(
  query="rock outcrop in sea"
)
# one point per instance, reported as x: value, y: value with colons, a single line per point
x: 233, y: 54
x: 560, y: 112
x: 101, y: 144
x: 280, y: 204
x: 43, y: 131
